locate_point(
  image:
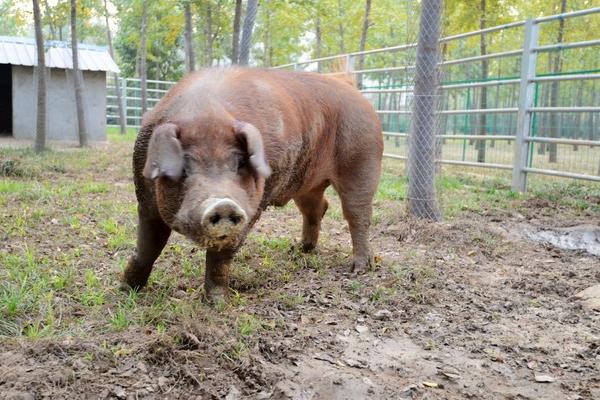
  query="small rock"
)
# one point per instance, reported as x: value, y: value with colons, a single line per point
x: 430, y: 384
x: 590, y: 297
x: 355, y: 363
x: 234, y: 393
x: 544, y: 378
x: 263, y: 395
x: 361, y: 329
x: 383, y: 315
x: 408, y: 391
x: 119, y: 392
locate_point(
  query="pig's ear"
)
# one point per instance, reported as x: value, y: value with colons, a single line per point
x: 251, y: 137
x: 165, y: 155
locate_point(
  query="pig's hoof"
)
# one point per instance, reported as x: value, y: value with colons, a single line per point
x: 217, y: 296
x: 360, y: 265
x: 309, y: 248
x: 127, y: 287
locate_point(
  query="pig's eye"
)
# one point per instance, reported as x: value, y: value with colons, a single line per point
x: 241, y: 163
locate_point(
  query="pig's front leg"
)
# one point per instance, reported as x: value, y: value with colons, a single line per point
x: 216, y: 281
x: 152, y: 237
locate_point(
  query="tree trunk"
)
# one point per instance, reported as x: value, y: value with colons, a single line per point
x: 341, y: 20
x: 481, y: 144
x: 40, y: 128
x: 48, y: 12
x: 363, y: 43
x: 318, y: 39
x: 143, y: 50
x: 251, y: 9
x: 267, y: 38
x: 111, y: 50
x: 554, y: 129
x: 78, y: 78
x: 208, y: 36
x: 422, y: 199
x: 235, y: 45
x: 190, y: 58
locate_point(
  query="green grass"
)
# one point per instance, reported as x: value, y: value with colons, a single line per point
x: 68, y: 226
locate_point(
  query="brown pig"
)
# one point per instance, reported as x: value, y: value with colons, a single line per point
x: 222, y: 145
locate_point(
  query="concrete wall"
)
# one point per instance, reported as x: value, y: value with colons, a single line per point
x: 61, y: 113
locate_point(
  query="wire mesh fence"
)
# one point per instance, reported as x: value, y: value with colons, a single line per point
x: 480, y: 97
x: 528, y: 105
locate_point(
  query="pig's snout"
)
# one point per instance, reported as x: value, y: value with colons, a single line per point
x: 222, y: 219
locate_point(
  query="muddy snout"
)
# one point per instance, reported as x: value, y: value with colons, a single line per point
x: 222, y: 219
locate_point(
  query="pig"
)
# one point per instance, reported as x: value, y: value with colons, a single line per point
x: 224, y: 144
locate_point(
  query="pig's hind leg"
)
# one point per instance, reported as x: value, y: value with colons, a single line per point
x: 152, y: 236
x: 313, y: 206
x: 356, y: 187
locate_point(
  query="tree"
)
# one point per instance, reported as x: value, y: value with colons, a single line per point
x: 111, y: 50
x: 190, y: 58
x: 143, y: 49
x: 208, y: 36
x: 422, y: 200
x: 251, y: 10
x: 267, y: 49
x: 341, y: 26
x: 235, y: 41
x: 77, y: 79
x: 363, y: 42
x: 40, y: 131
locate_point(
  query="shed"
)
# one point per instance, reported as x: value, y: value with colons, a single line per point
x: 18, y: 89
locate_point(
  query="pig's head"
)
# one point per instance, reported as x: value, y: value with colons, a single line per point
x: 218, y: 170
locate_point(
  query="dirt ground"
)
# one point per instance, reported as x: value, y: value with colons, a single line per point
x: 469, y: 308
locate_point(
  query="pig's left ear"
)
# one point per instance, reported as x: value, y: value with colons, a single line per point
x: 165, y: 155
x: 252, y: 138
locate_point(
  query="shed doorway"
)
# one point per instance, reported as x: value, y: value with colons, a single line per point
x: 6, y: 128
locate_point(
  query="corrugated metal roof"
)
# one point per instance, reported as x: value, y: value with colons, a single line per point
x: 22, y: 51
x: 89, y: 60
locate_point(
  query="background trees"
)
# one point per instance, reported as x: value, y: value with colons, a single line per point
x: 284, y: 30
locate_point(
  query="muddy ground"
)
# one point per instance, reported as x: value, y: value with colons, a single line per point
x: 469, y: 308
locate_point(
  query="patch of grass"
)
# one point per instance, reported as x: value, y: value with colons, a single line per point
x: 248, y: 325
x: 289, y: 301
x: 392, y: 187
x: 93, y: 293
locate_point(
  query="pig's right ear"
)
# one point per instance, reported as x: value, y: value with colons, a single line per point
x: 165, y: 155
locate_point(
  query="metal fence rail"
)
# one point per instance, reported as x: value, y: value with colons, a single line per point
x: 522, y: 119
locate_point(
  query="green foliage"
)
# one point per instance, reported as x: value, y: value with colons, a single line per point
x: 285, y: 31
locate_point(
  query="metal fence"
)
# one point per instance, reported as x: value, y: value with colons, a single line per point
x: 520, y: 112
x: 131, y: 99
x: 525, y: 115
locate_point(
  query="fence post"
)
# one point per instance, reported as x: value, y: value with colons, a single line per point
x: 526, y: 95
x: 422, y: 198
x: 124, y: 100
x: 349, y: 63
